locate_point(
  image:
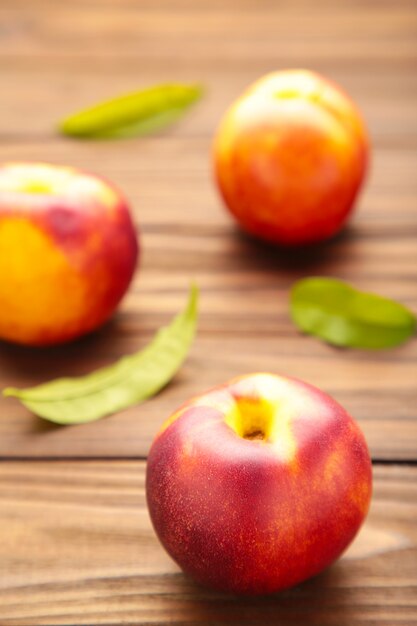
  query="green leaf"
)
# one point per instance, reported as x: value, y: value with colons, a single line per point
x: 129, y: 381
x: 343, y: 316
x: 138, y: 113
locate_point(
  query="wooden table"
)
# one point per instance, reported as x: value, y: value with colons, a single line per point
x: 76, y: 543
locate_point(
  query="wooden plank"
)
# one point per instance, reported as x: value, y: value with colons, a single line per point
x: 36, y: 96
x: 186, y: 234
x: 378, y: 391
x: 77, y: 547
x: 50, y: 68
x: 244, y: 324
x: 35, y: 30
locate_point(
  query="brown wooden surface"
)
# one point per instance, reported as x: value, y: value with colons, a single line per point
x: 80, y: 550
x: 77, y: 546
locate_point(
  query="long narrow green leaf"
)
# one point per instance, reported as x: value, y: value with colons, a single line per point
x: 129, y: 381
x: 138, y: 113
x: 343, y: 316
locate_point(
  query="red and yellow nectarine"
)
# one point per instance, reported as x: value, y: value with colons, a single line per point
x: 259, y: 484
x: 290, y: 157
x: 68, y: 250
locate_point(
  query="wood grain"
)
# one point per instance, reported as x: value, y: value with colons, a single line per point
x: 244, y: 322
x: 57, y: 57
x: 185, y: 233
x: 377, y: 392
x: 78, y: 548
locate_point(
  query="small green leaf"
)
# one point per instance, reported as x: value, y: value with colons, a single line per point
x: 138, y: 113
x: 129, y: 381
x: 343, y: 316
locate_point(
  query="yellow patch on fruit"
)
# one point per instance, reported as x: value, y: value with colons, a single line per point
x: 35, y: 178
x: 60, y: 181
x: 38, y: 287
x: 258, y: 408
x: 282, y: 436
x: 263, y: 421
x: 262, y: 412
x: 251, y: 418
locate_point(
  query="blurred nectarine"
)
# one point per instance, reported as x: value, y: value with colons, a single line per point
x: 68, y: 250
x: 290, y: 157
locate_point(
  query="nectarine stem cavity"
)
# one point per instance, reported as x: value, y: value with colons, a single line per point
x: 37, y: 187
x: 252, y: 418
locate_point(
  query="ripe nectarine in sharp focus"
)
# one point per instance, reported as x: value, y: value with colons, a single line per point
x: 290, y: 156
x: 68, y: 250
x: 259, y: 484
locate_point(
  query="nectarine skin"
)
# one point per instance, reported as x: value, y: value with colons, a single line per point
x: 258, y: 485
x: 68, y: 250
x: 290, y: 156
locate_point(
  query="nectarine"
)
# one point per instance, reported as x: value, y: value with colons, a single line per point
x: 68, y: 250
x: 290, y: 157
x: 258, y: 484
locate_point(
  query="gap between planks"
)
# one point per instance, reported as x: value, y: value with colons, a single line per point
x: 117, y: 459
